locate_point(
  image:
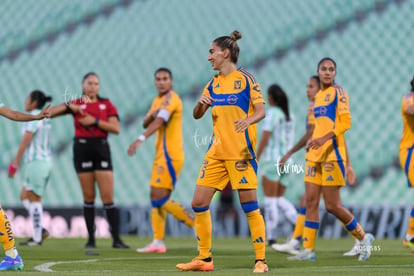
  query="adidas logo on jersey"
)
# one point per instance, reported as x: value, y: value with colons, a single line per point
x: 243, y: 180
x: 329, y: 178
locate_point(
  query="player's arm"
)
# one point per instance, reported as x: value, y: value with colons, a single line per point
x: 149, y: 118
x: 14, y: 165
x: 111, y: 126
x: 263, y: 142
x: 300, y: 144
x: 162, y: 117
x: 23, y: 117
x: 344, y: 123
x: 349, y: 171
x: 259, y: 114
x: 201, y: 106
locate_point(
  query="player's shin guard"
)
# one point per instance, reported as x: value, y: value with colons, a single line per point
x: 257, y: 228
x: 179, y: 212
x: 309, y: 234
x: 6, y: 232
x: 355, y: 229
x: 203, y: 229
x: 300, y: 224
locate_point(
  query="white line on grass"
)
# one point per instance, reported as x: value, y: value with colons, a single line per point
x: 46, y: 267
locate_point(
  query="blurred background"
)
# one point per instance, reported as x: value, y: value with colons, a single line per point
x: 50, y: 45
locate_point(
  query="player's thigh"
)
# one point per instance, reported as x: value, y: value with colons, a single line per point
x: 213, y: 174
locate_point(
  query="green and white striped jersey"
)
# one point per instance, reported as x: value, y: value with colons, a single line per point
x: 39, y: 147
x: 282, y: 134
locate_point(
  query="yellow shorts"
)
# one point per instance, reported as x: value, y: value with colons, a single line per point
x: 330, y: 173
x: 407, y: 164
x: 164, y: 174
x: 242, y: 174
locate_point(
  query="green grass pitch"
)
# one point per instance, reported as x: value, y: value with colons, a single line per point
x: 232, y: 256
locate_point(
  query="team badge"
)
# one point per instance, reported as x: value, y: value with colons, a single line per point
x: 237, y: 84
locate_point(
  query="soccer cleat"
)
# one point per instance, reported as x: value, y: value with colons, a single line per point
x: 9, y: 263
x: 271, y: 242
x: 153, y: 248
x: 355, y: 250
x: 119, y: 244
x: 291, y: 247
x: 366, y: 247
x: 196, y: 265
x: 90, y: 244
x: 304, y: 255
x: 409, y: 243
x: 30, y: 242
x: 260, y: 267
x: 45, y: 234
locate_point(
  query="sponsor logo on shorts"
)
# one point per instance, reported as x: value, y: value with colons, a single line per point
x: 329, y: 178
x: 87, y: 164
x: 104, y: 164
x: 160, y: 170
x: 328, y: 166
x: 241, y: 165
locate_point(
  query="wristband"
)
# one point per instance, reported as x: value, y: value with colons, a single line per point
x: 141, y: 138
x: 96, y: 123
x: 12, y: 169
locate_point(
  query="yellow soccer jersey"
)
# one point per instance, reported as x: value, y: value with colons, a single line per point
x: 407, y: 138
x: 329, y: 105
x: 169, y: 141
x: 234, y: 97
x: 310, y: 119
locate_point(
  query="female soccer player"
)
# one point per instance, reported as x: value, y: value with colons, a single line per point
x: 293, y: 245
x: 165, y: 118
x: 325, y: 163
x: 94, y: 118
x: 277, y: 139
x: 12, y: 260
x: 35, y: 146
x: 237, y: 105
x: 406, y: 154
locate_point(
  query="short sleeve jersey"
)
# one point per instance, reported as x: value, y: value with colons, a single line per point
x: 329, y: 104
x: 39, y: 147
x: 234, y: 97
x: 282, y: 134
x: 407, y: 138
x: 169, y: 141
x: 101, y: 109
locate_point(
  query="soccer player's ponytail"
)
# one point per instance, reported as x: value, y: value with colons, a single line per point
x: 230, y: 42
x: 279, y: 98
x: 412, y: 84
x: 40, y: 98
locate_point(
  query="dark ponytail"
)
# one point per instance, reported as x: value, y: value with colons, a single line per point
x: 40, y: 98
x: 412, y: 84
x: 279, y: 97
